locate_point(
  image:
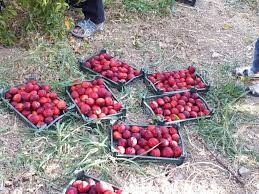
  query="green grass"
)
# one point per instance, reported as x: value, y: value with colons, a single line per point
x: 219, y: 132
x: 145, y: 6
x: 158, y: 7
x: 74, y: 145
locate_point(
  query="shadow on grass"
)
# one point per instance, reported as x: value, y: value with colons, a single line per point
x: 219, y: 132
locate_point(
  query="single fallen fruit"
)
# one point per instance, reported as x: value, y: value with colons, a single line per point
x: 36, y: 102
x: 177, y: 80
x: 157, y: 141
x: 90, y: 186
x: 183, y: 106
x: 112, y: 68
x: 93, y: 99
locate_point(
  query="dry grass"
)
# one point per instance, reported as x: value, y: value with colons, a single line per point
x: 43, y: 163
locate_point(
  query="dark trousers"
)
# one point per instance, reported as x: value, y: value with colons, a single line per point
x: 93, y: 10
x: 256, y: 57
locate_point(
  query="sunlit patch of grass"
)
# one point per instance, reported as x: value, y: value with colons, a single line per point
x: 144, y: 6
x: 219, y: 132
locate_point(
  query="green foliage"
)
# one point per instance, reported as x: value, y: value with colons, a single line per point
x: 221, y: 129
x: 47, y: 17
x: 44, y: 17
x: 7, y: 36
x: 158, y: 6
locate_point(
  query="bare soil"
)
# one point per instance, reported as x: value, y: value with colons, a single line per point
x: 210, y: 34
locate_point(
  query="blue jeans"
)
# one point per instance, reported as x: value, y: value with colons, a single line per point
x: 255, y: 66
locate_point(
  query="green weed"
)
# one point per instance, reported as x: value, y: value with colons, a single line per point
x: 144, y: 6
x: 219, y: 131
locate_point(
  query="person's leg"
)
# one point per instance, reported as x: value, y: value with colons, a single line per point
x: 252, y: 70
x: 255, y: 67
x: 94, y: 19
x: 94, y: 10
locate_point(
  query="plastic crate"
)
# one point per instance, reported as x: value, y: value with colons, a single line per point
x: 117, y: 116
x: 158, y: 91
x: 162, y: 121
x: 177, y: 161
x: 81, y: 175
x: 119, y: 85
x: 26, y: 120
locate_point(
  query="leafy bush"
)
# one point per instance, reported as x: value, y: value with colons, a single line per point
x: 46, y: 17
x: 28, y: 19
x: 7, y: 36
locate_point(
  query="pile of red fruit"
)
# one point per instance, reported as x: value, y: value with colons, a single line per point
x: 157, y: 141
x: 90, y: 186
x: 37, y: 103
x: 94, y: 100
x: 180, y: 106
x: 177, y: 80
x: 112, y: 68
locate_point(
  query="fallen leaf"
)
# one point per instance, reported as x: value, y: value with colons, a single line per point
x: 227, y: 26
x: 68, y: 23
x: 72, y: 40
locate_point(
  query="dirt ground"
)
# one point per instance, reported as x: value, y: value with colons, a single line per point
x: 210, y: 34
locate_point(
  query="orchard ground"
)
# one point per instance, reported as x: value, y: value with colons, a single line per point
x: 216, y: 36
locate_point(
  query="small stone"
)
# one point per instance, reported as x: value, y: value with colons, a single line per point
x: 215, y: 55
x: 8, y: 183
x: 17, y: 191
x: 243, y: 171
x: 179, y: 177
x: 249, y: 147
x: 27, y: 176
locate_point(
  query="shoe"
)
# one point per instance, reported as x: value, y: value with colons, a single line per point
x: 86, y: 29
x: 254, y: 90
x: 245, y: 72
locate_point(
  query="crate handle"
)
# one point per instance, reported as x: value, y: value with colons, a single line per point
x: 71, y: 107
x: 2, y: 93
x: 145, y: 71
x: 193, y: 90
x: 42, y: 128
x: 31, y: 77
x: 205, y: 74
x: 81, y: 60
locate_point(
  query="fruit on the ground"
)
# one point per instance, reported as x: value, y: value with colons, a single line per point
x: 72, y: 190
x: 157, y: 141
x: 184, y: 105
x: 117, y: 135
x: 177, y: 80
x: 83, y: 187
x: 90, y: 186
x: 112, y: 68
x: 142, y: 152
x: 36, y: 102
x: 132, y: 141
x: 93, y: 99
x: 120, y: 149
x: 167, y: 152
x: 152, y: 142
x: 155, y: 152
x: 130, y: 151
x: 77, y: 183
x: 122, y: 142
x: 102, y: 186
